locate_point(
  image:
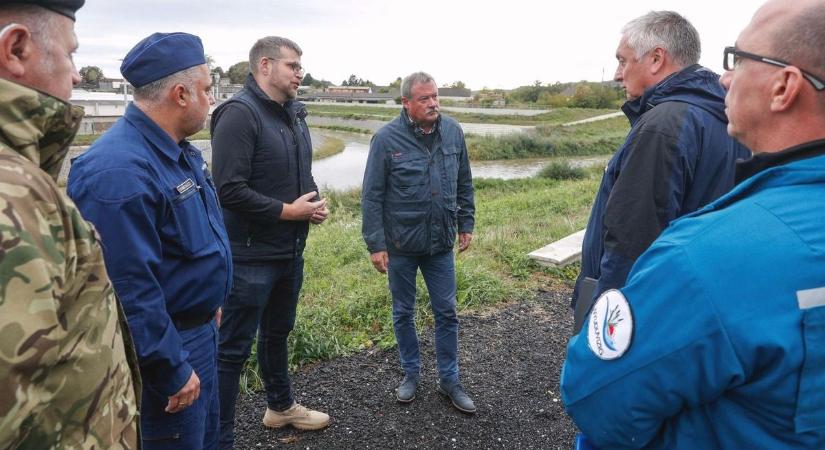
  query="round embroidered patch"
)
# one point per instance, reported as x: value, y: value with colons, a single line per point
x: 610, y: 328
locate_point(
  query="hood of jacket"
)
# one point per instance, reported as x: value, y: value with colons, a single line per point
x: 37, y: 126
x: 694, y: 84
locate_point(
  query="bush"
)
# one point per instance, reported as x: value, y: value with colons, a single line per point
x: 561, y: 171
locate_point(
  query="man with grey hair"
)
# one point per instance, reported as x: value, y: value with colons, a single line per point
x: 149, y: 193
x: 417, y: 195
x: 262, y: 155
x: 676, y: 158
x: 716, y: 340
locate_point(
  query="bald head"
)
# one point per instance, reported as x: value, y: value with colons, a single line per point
x: 798, y: 35
x: 771, y: 107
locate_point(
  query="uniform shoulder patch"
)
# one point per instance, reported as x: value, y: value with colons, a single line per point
x: 610, y: 329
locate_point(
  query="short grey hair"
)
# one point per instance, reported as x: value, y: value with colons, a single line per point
x: 39, y: 21
x: 412, y: 79
x: 270, y: 47
x: 665, y: 29
x: 154, y: 91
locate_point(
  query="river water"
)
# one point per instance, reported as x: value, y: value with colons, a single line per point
x: 345, y: 170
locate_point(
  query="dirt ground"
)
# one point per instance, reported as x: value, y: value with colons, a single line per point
x: 510, y: 362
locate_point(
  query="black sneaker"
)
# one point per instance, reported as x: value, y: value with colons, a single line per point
x: 405, y: 392
x: 460, y: 399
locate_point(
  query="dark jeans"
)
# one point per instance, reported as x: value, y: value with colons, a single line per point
x: 263, y: 301
x: 195, y: 427
x: 439, y: 275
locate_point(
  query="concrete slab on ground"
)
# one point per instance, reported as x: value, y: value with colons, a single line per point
x: 560, y: 253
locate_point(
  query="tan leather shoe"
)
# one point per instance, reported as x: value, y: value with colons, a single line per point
x: 297, y: 416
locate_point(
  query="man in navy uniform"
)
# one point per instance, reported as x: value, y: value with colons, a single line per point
x: 149, y: 193
x: 716, y: 341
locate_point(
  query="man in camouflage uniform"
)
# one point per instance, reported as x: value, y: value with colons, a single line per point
x: 66, y: 357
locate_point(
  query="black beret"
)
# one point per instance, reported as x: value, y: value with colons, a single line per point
x: 64, y: 7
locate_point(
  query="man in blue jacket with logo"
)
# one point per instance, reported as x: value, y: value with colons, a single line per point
x: 676, y: 158
x: 417, y: 195
x: 716, y: 341
x: 149, y: 193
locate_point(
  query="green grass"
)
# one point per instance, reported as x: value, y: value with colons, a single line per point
x: 556, y: 116
x: 346, y: 306
x: 330, y: 146
x: 343, y: 128
x: 561, y: 170
x: 595, y: 138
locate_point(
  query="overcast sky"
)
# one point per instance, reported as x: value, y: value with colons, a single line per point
x: 501, y: 44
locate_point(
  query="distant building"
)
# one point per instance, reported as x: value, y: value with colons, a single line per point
x: 348, y: 89
x: 459, y: 94
x: 111, y: 84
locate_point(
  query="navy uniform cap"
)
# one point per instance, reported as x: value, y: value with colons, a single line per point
x: 64, y: 7
x: 161, y: 55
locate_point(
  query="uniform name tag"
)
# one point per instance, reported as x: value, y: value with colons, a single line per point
x: 811, y: 298
x: 185, y: 186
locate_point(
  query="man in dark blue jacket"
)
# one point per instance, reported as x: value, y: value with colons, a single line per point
x: 417, y: 194
x: 262, y: 156
x: 149, y: 193
x: 676, y: 158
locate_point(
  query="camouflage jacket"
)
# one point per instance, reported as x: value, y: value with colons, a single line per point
x: 68, y: 376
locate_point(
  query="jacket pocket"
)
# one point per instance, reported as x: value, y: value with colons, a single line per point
x: 409, y: 175
x: 410, y: 231
x: 811, y: 394
x: 192, y: 221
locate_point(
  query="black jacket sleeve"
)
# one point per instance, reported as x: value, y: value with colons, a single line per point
x: 234, y: 135
x: 646, y: 196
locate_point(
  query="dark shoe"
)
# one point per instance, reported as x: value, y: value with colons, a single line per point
x: 406, y: 390
x: 460, y: 399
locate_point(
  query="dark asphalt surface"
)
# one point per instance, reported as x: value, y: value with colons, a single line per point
x: 510, y: 359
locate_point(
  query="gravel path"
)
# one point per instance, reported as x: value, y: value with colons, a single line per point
x: 510, y: 360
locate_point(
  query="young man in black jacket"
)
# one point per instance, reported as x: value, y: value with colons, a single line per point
x: 262, y: 158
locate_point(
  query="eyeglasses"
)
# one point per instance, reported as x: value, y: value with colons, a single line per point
x: 295, y: 66
x: 732, y: 56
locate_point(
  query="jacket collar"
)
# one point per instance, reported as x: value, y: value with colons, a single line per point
x: 293, y: 109
x: 693, y: 84
x: 762, y: 161
x: 416, y: 130
x: 37, y: 126
x: 153, y: 133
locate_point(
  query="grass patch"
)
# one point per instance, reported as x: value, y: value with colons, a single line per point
x: 595, y: 138
x: 555, y: 116
x: 561, y: 170
x: 346, y: 305
x: 330, y: 146
x: 343, y: 128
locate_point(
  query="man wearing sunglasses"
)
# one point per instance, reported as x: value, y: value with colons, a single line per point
x: 676, y: 158
x: 717, y: 339
x: 262, y: 157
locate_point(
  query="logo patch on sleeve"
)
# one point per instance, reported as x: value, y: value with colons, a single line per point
x: 610, y: 329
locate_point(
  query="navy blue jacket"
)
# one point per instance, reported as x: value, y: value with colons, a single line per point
x: 677, y: 158
x: 727, y: 325
x: 414, y: 199
x: 166, y: 251
x: 262, y: 158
